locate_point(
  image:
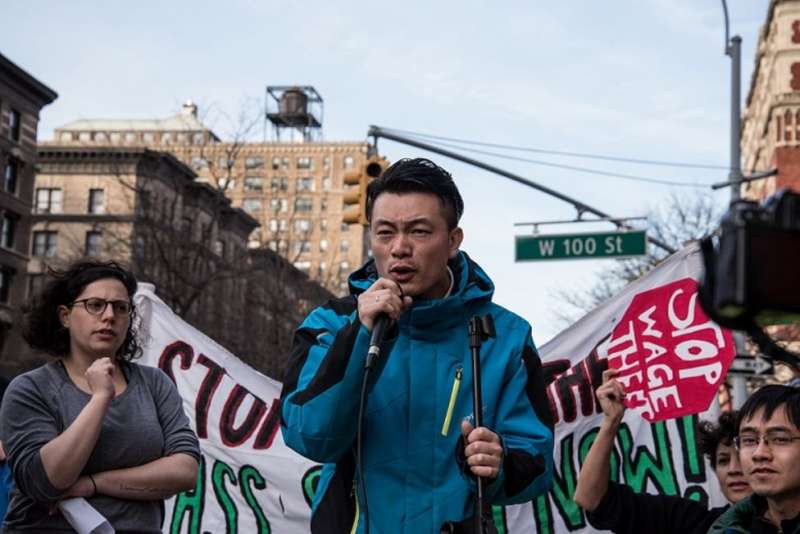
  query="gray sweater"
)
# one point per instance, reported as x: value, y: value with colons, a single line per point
x: 144, y: 423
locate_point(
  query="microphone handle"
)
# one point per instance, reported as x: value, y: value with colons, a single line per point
x: 379, y: 329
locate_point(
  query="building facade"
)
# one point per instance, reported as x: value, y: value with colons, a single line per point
x: 294, y: 190
x: 770, y: 136
x: 21, y: 99
x: 771, y: 119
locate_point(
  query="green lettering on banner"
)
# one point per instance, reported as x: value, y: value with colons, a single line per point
x: 543, y: 515
x: 248, y: 477
x: 696, y: 493
x: 499, y: 518
x: 644, y: 466
x: 586, y: 443
x: 694, y: 468
x: 221, y: 469
x: 190, y: 502
x: 564, y: 487
x: 310, y: 481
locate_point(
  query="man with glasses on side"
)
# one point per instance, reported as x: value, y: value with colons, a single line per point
x: 769, y: 451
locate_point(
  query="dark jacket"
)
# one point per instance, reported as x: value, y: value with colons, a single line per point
x: 624, y: 511
x: 414, y: 409
x: 747, y: 517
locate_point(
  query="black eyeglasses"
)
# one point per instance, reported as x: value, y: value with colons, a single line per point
x: 97, y: 306
x: 771, y: 440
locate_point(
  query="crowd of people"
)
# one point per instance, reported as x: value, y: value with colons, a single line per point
x: 94, y: 424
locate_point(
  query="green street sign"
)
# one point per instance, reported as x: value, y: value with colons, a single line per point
x: 581, y: 246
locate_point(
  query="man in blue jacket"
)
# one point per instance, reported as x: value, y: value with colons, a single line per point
x: 420, y: 450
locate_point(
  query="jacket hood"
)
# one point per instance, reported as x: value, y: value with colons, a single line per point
x: 471, y: 286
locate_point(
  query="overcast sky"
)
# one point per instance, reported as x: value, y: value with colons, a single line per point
x: 643, y: 79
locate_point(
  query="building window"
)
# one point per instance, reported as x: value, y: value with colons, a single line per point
x: 253, y: 183
x: 323, y: 204
x: 148, y: 137
x: 303, y: 266
x: 303, y: 204
x: 219, y: 248
x: 66, y: 136
x: 93, y: 241
x: 115, y: 137
x: 348, y: 162
x: 273, y: 245
x: 279, y: 183
x: 9, y: 225
x: 273, y: 225
x: 96, y: 199
x: 326, y: 183
x: 344, y: 246
x: 100, y: 137
x: 130, y: 137
x: 279, y: 204
x: 14, y: 124
x: 305, y: 162
x: 182, y: 138
x: 199, y: 163
x: 326, y: 162
x: 253, y: 162
x: 85, y: 136
x: 226, y: 183
x: 6, y: 277
x: 48, y: 200
x: 166, y: 138
x: 302, y: 225
x: 251, y: 205
x: 302, y: 246
x: 323, y: 225
x: 35, y: 284
x: 344, y: 227
x: 305, y: 184
x: 280, y: 162
x: 198, y: 138
x: 45, y: 243
x: 10, y: 174
x: 323, y: 245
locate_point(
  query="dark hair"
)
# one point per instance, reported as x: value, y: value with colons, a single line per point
x: 710, y: 435
x: 418, y: 175
x: 42, y: 328
x: 770, y: 398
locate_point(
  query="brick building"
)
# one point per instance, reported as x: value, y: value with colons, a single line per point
x: 21, y: 99
x: 294, y: 190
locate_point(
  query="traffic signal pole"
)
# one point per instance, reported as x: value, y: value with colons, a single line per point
x: 378, y: 132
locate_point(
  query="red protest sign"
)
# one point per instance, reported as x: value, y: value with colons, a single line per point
x: 671, y: 356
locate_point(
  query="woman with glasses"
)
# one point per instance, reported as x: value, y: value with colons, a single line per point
x: 92, y: 423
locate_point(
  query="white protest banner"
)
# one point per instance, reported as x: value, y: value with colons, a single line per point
x: 249, y: 481
x: 659, y: 457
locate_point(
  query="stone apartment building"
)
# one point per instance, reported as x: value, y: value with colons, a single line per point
x: 21, y: 99
x: 771, y: 120
x: 294, y: 190
x: 146, y: 209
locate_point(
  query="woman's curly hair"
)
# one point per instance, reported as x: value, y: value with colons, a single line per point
x: 41, y: 326
x: 710, y: 435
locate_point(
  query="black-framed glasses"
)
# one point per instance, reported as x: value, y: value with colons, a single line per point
x: 97, y: 306
x: 771, y: 440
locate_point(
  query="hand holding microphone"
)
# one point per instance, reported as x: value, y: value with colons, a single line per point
x: 378, y: 308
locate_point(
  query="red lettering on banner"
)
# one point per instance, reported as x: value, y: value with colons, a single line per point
x: 232, y: 435
x: 671, y: 356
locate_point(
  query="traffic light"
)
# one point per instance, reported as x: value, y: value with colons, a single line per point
x: 354, y: 200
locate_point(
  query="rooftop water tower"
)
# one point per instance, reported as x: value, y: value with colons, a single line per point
x: 295, y: 112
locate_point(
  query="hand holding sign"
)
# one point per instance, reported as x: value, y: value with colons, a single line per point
x: 669, y: 355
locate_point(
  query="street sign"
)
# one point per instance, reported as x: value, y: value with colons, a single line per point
x: 581, y: 246
x: 751, y: 365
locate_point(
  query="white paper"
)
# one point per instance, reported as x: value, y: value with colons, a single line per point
x: 83, y: 517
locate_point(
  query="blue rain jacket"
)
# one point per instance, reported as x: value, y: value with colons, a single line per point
x: 412, y: 447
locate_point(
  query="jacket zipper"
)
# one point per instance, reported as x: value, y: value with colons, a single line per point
x: 452, y: 403
x: 354, y: 493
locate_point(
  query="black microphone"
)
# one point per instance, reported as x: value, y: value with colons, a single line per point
x: 379, y: 329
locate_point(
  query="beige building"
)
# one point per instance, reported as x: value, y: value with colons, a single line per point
x: 294, y: 190
x: 21, y: 99
x: 145, y: 209
x: 771, y: 120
